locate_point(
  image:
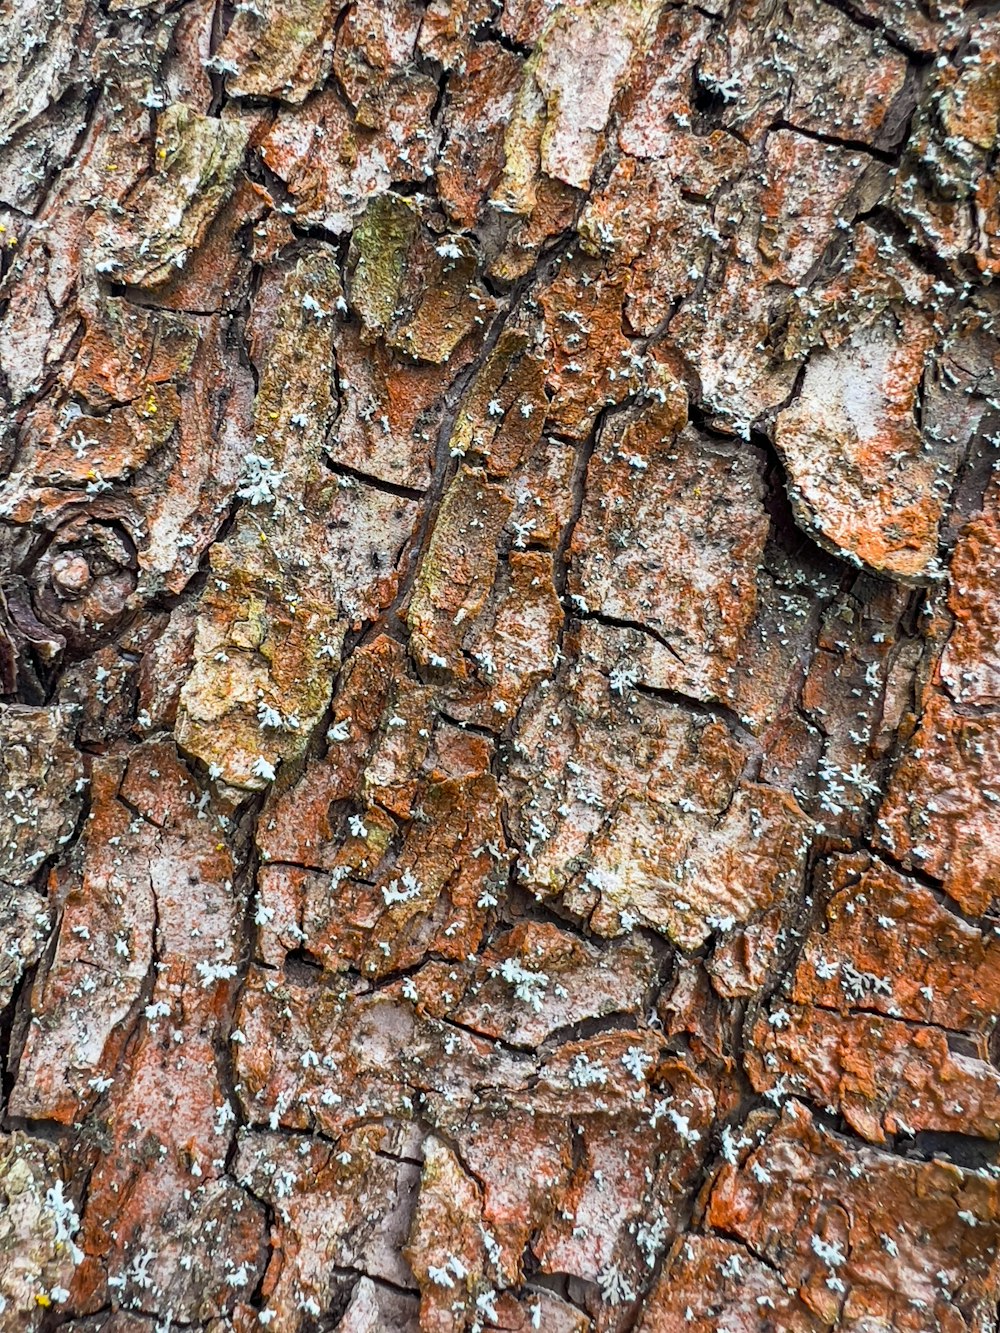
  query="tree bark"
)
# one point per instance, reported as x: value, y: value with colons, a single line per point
x: 499, y: 614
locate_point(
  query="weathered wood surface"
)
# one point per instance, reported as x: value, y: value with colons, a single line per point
x: 499, y: 620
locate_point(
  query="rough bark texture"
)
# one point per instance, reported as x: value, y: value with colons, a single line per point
x: 499, y: 621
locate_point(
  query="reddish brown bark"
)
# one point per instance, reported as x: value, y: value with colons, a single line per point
x: 498, y: 656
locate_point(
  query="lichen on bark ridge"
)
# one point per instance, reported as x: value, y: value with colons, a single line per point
x: 499, y: 733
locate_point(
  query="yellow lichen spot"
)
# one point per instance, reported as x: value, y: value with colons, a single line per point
x: 151, y: 407
x: 43, y: 1299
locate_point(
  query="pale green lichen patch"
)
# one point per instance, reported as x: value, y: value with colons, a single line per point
x: 308, y: 556
x: 379, y: 249
x: 417, y: 292
x: 278, y: 48
x: 458, y: 570
x: 197, y: 158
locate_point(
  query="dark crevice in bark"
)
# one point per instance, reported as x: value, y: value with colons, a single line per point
x: 377, y: 483
x: 245, y: 888
x: 835, y: 141
x: 13, y: 1028
x: 490, y: 31
x: 378, y: 1279
x: 919, y: 876
x: 616, y: 622
x: 708, y: 709
x: 892, y: 38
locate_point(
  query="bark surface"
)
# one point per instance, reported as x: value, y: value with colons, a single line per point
x: 499, y: 622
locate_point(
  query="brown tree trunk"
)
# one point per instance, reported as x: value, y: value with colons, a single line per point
x: 499, y: 615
